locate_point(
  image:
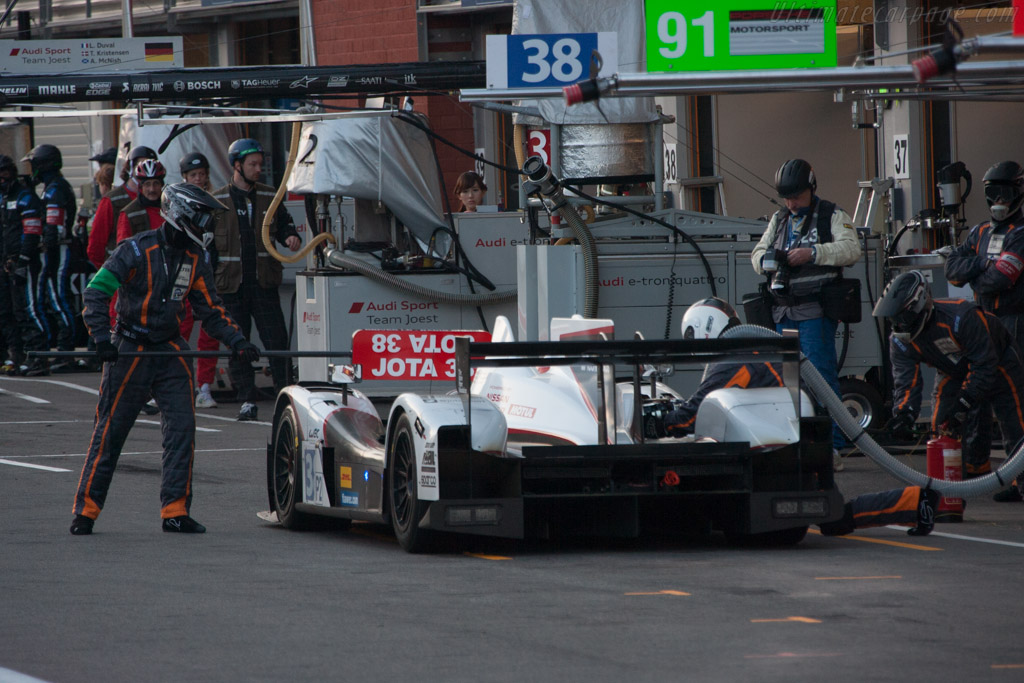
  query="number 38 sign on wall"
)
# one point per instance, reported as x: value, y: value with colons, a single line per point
x: 547, y: 60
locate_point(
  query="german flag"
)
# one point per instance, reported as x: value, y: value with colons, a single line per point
x: 159, y: 52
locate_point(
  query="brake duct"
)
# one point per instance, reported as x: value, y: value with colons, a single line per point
x: 994, y: 481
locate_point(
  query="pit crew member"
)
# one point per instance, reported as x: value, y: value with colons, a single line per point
x: 979, y: 369
x: 154, y: 273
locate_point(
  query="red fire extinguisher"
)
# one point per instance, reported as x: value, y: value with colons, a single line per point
x: 945, y: 462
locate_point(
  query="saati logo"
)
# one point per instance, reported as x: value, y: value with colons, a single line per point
x: 357, y: 307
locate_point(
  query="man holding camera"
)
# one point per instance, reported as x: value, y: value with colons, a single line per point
x: 805, y: 247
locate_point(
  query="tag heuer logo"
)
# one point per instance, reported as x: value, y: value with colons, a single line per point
x: 236, y: 84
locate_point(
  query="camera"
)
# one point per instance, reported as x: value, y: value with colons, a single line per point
x: 777, y: 260
x: 774, y: 259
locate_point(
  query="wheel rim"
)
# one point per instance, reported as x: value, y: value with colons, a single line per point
x: 859, y: 408
x: 403, y: 481
x: 284, y: 467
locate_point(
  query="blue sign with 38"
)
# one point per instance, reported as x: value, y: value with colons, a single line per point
x: 547, y: 60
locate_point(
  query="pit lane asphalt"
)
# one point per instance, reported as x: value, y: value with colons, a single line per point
x: 249, y: 601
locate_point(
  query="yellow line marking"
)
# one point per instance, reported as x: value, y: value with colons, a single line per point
x: 1008, y: 666
x: 854, y: 578
x: 802, y: 620
x: 880, y: 541
x: 666, y: 592
x: 487, y: 557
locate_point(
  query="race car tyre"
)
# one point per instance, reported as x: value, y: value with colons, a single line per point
x: 285, y: 471
x: 769, y: 538
x: 863, y: 401
x: 406, y: 508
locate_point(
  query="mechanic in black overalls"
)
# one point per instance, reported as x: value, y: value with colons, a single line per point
x: 709, y: 319
x: 979, y: 368
x: 21, y: 218
x: 10, y: 251
x: 61, y: 213
x: 991, y: 261
x: 154, y: 274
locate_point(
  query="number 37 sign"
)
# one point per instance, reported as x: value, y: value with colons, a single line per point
x: 548, y: 60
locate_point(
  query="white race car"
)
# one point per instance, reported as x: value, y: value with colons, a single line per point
x: 543, y: 442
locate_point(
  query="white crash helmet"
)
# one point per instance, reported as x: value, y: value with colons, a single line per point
x: 708, y: 319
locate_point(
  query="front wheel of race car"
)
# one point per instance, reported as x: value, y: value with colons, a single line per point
x: 285, y: 468
x: 406, y: 508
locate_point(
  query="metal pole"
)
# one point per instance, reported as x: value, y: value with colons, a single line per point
x: 7, y: 12
x: 192, y: 354
x: 767, y: 80
x: 126, y: 19
x: 308, y: 43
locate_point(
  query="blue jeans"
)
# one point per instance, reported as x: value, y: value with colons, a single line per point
x: 818, y: 343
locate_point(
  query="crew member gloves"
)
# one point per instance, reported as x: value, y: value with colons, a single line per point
x: 246, y: 352
x: 106, y: 352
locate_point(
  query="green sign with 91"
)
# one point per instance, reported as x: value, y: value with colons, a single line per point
x: 739, y: 34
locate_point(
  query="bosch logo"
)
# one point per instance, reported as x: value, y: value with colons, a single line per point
x: 179, y: 86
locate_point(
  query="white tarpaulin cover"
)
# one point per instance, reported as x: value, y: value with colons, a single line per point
x: 374, y: 156
x: 624, y: 17
x: 212, y: 140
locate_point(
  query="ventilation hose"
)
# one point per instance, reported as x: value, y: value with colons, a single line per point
x: 586, y: 239
x: 981, y: 486
x: 271, y: 214
x: 338, y: 259
x: 544, y: 182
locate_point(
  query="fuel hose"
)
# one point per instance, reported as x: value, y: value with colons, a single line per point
x: 994, y: 481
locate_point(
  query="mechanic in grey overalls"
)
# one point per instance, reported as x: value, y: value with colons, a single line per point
x: 154, y: 274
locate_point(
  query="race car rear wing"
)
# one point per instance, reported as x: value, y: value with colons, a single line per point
x: 635, y: 354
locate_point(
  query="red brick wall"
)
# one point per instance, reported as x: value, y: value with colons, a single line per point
x: 385, y: 31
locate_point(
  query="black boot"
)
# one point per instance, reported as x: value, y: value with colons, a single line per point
x: 840, y: 527
x: 183, y: 525
x: 926, y: 505
x: 82, y: 525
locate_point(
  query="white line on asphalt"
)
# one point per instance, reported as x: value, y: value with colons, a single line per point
x: 96, y: 392
x: 943, y: 534
x: 4, y: 461
x: 157, y: 422
x: 42, y: 422
x: 24, y: 397
x: 234, y: 419
x: 261, y: 449
x: 11, y: 676
x: 68, y: 385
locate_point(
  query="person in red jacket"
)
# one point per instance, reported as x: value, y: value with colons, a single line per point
x: 102, y: 234
x: 143, y: 212
x: 195, y: 170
